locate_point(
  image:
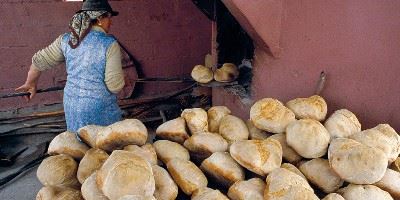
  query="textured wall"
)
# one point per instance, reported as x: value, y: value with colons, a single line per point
x: 167, y: 36
x: 356, y: 42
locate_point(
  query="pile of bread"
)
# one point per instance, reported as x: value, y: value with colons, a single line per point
x: 204, y: 74
x: 282, y: 152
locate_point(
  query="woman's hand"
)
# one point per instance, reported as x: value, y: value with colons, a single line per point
x: 28, y: 87
x: 30, y: 84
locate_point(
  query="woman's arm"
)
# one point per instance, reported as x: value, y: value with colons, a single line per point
x: 114, y: 75
x: 30, y: 84
x: 50, y: 56
x: 44, y: 59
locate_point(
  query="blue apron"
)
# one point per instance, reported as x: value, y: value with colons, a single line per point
x: 87, y: 101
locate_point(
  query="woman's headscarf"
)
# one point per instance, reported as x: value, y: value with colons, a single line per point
x: 80, y: 26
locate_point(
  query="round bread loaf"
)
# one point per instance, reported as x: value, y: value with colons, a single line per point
x: 223, y: 168
x: 271, y: 115
x: 233, y: 129
x: 390, y: 183
x: 59, y: 170
x: 364, y: 192
x: 202, y: 145
x: 187, y: 175
x: 308, y: 138
x: 90, y: 191
x: 289, y: 154
x: 333, y: 196
x: 258, y: 156
x: 389, y: 144
x: 92, y: 161
x: 147, y: 152
x: 167, y: 150
x: 208, y: 194
x: 342, y: 123
x: 227, y: 73
x: 355, y: 162
x: 166, y: 188
x: 124, y: 173
x: 394, y: 140
x: 202, y: 74
x: 67, y: 143
x: 173, y: 130
x: 245, y: 190
x: 320, y: 174
x: 196, y: 119
x: 215, y: 114
x: 284, y: 184
x: 58, y: 193
x: 313, y: 107
x: 120, y: 134
x: 255, y: 133
x: 88, y: 134
x: 293, y: 169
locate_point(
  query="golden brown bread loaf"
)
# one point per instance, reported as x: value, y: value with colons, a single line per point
x: 67, y: 143
x: 202, y: 74
x: 284, y: 184
x: 233, y: 129
x: 121, y: 134
x: 255, y: 133
x: 124, y: 173
x: 293, y: 169
x: 313, y: 107
x: 258, y: 156
x: 58, y: 193
x: 389, y: 144
x: 88, y: 134
x: 271, y: 115
x: 289, y: 154
x: 208, y: 194
x: 196, y: 120
x: 390, y: 183
x: 245, y: 190
x: 364, y: 192
x: 223, y: 168
x: 166, y: 188
x: 147, y: 152
x: 187, y: 175
x: 355, y: 162
x: 320, y: 174
x: 173, y: 130
x: 227, y: 73
x: 202, y: 145
x: 167, y: 150
x: 308, y: 138
x: 215, y: 114
x: 92, y: 161
x: 342, y: 123
x: 89, y: 189
x: 59, y: 170
x: 394, y: 141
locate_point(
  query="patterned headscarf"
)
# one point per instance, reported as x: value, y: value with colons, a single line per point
x: 80, y: 26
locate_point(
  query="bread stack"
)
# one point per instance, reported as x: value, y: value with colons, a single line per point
x: 284, y: 151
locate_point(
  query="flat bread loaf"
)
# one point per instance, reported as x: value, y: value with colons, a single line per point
x: 355, y: 162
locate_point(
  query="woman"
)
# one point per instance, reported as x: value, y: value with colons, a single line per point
x: 93, y: 65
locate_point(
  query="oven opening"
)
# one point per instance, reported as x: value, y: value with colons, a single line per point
x: 234, y: 45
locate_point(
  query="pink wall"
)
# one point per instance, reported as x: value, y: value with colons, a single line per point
x: 167, y: 37
x: 356, y: 42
